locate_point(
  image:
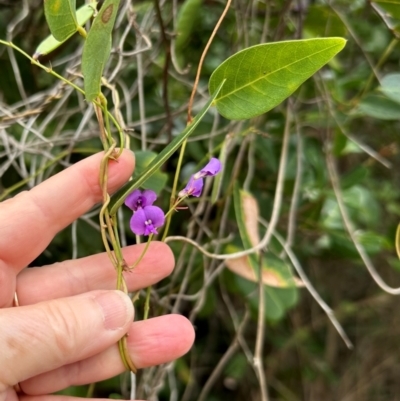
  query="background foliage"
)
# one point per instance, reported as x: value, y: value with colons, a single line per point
x: 340, y: 194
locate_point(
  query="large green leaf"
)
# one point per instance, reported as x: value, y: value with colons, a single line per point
x: 83, y: 14
x: 60, y: 17
x: 97, y: 48
x: 118, y: 198
x: 262, y: 76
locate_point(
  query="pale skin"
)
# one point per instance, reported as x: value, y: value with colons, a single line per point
x: 60, y: 335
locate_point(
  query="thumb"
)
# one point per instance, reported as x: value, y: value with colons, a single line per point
x: 41, y: 337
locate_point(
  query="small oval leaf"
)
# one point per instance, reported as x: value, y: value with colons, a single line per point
x: 187, y: 17
x: 83, y: 14
x: 61, y: 19
x: 379, y: 106
x: 390, y: 86
x: 262, y: 76
x: 97, y: 48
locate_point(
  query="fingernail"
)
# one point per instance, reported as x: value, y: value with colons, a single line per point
x: 117, y: 309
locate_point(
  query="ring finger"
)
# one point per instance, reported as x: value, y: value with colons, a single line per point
x: 151, y: 342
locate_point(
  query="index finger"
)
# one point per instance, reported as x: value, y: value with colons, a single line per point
x: 31, y: 219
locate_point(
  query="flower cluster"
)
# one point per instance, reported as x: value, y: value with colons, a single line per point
x: 146, y: 217
x: 195, y: 185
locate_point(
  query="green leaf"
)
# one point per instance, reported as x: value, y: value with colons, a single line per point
x: 187, y: 17
x: 262, y: 76
x: 118, y: 198
x: 61, y: 19
x: 390, y: 86
x: 276, y: 300
x: 322, y: 21
x: 83, y: 14
x: 389, y: 11
x: 157, y: 181
x: 379, y: 106
x: 97, y: 48
x: 361, y: 206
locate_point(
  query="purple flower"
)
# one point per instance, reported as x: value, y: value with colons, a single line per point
x: 138, y: 199
x: 213, y: 167
x: 196, y: 182
x: 145, y: 220
x: 193, y: 188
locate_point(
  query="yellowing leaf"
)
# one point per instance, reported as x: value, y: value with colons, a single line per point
x: 251, y: 215
x: 275, y: 272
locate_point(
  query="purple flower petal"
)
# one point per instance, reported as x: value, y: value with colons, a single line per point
x: 150, y: 197
x: 193, y: 188
x: 138, y: 200
x: 145, y: 221
x: 212, y: 168
x: 132, y: 198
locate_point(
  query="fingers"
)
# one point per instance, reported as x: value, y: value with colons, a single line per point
x: 151, y: 342
x: 58, y: 332
x: 34, y: 217
x: 95, y: 272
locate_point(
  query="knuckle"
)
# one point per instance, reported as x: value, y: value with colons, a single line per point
x: 63, y: 326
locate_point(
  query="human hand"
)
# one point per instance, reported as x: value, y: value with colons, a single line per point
x: 69, y: 318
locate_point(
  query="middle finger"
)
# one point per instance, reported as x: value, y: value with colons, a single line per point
x: 73, y: 277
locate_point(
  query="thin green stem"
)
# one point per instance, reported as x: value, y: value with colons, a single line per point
x: 147, y: 303
x: 48, y: 70
x: 111, y: 225
x: 379, y: 64
x: 103, y: 233
x: 19, y: 184
x: 139, y: 259
x: 174, y: 186
x: 103, y: 101
x: 66, y: 81
x: 90, y: 390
